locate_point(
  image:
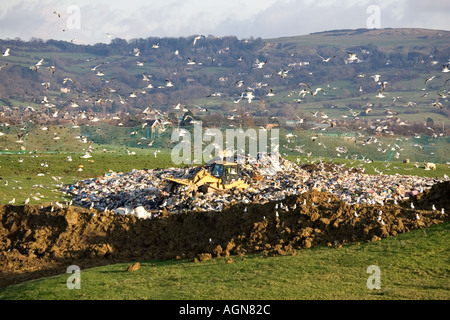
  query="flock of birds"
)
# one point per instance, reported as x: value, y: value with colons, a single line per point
x: 247, y: 93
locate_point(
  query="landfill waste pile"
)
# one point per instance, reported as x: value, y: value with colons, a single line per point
x: 147, y: 193
x: 293, y: 208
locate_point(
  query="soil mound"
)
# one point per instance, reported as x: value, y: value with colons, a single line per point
x: 37, y: 242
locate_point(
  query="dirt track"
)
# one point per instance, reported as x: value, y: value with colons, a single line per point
x: 36, y: 242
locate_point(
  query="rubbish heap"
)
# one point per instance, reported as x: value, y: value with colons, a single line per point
x: 147, y: 193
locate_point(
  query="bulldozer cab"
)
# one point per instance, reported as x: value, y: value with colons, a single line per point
x: 221, y: 175
x: 226, y: 171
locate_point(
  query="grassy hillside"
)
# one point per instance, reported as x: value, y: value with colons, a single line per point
x: 399, y: 55
x: 384, y: 38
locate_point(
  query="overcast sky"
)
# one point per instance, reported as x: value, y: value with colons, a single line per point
x: 89, y: 21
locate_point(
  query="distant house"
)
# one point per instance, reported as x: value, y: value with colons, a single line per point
x: 292, y: 123
x: 153, y: 123
x: 155, y: 126
x: 271, y: 125
x: 151, y: 114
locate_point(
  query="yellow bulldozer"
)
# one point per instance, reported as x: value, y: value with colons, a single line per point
x: 220, y: 176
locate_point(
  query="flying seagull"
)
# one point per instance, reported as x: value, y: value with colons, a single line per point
x: 317, y: 91
x: 249, y: 96
x: 6, y: 53
x: 304, y: 84
x: 40, y: 62
x: 145, y: 77
x: 352, y: 56
x: 93, y: 69
x: 37, y: 65
x: 376, y: 77
x: 326, y: 59
x: 197, y: 38
x: 428, y: 79
x: 259, y: 64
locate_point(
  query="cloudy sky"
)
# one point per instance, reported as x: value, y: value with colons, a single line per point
x: 89, y: 21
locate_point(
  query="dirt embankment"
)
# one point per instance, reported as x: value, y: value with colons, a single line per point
x: 37, y: 242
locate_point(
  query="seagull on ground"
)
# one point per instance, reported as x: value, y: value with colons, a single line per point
x: 380, y: 94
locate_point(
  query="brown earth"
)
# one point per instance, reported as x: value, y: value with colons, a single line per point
x: 38, y: 242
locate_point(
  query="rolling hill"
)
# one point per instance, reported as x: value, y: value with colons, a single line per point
x: 214, y: 76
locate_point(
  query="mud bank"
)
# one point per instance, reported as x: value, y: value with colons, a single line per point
x: 36, y: 242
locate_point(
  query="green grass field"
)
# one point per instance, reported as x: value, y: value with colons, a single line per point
x: 360, y: 37
x: 413, y: 266
x: 31, y: 180
x: 28, y: 179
